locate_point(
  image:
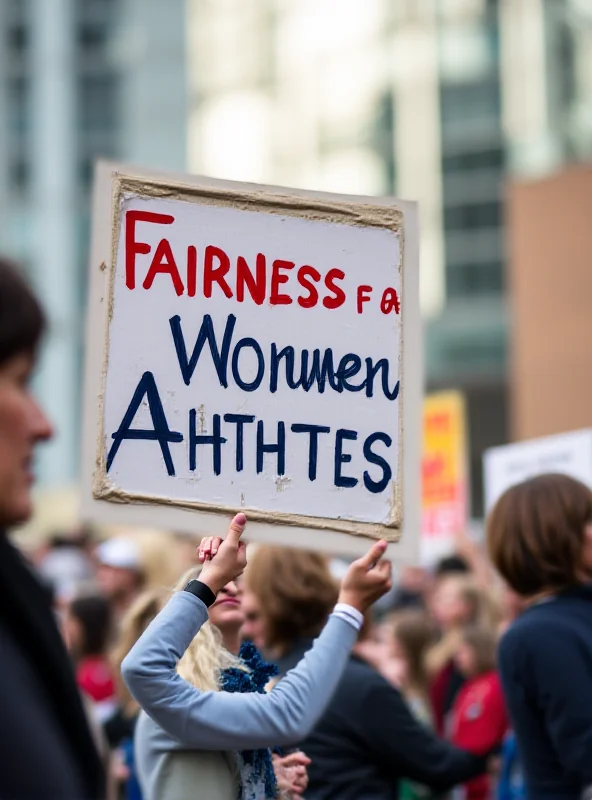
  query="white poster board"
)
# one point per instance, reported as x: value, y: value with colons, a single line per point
x: 253, y: 348
x: 567, y: 453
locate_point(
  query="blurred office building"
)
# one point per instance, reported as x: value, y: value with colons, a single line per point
x: 433, y: 100
x: 551, y: 290
x: 79, y: 79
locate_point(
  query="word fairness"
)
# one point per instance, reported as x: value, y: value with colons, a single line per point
x: 254, y: 439
x: 250, y: 281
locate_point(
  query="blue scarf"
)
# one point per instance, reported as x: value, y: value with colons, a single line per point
x: 255, y: 680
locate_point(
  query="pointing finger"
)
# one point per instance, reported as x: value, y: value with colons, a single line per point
x: 373, y: 555
x: 235, y: 529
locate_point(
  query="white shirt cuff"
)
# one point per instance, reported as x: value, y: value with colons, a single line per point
x: 350, y: 615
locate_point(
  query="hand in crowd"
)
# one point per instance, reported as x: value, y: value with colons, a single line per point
x: 367, y: 579
x: 223, y: 559
x: 291, y: 774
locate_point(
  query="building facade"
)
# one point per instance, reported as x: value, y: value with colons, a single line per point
x: 433, y: 100
x: 79, y: 80
x: 551, y: 290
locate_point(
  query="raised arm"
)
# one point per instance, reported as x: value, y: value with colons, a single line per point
x: 220, y: 720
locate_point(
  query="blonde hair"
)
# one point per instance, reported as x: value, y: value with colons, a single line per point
x: 201, y: 663
x: 135, y: 621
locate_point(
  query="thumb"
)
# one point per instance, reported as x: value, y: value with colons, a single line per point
x: 235, y: 529
x: 373, y: 555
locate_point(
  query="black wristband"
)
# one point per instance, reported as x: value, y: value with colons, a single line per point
x: 199, y: 589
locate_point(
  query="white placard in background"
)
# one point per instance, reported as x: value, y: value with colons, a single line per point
x: 568, y: 453
x: 253, y: 348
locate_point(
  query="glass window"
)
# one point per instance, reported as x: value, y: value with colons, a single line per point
x: 474, y: 280
x: 91, y: 38
x: 19, y: 175
x: 18, y: 105
x: 473, y: 101
x: 491, y: 158
x: 98, y: 102
x: 17, y: 39
x: 472, y: 216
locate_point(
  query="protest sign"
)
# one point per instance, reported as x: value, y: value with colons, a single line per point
x: 253, y: 348
x: 567, y: 453
x: 444, y: 502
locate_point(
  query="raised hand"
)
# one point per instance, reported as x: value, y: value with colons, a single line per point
x: 229, y: 560
x: 367, y: 579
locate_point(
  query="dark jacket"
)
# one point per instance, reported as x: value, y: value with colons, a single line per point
x: 545, y: 661
x: 368, y: 740
x: 47, y: 750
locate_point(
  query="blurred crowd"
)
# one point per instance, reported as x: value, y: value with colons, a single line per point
x: 382, y: 688
x: 433, y: 638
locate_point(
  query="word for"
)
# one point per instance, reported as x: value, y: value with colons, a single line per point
x: 216, y: 269
x: 312, y: 370
x: 218, y: 439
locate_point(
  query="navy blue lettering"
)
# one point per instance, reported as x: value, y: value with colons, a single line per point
x: 288, y: 354
x: 206, y: 334
x: 313, y: 444
x: 319, y: 372
x: 240, y: 420
x: 343, y: 458
x: 373, y: 458
x: 371, y: 370
x: 253, y: 385
x: 160, y: 432
x: 215, y: 439
x: 349, y: 366
x: 279, y: 448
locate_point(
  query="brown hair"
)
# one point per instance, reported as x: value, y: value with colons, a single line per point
x: 295, y: 589
x: 535, y: 533
x: 483, y: 643
x: 22, y: 321
x: 415, y: 633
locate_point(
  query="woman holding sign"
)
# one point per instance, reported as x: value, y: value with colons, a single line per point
x: 184, y: 714
x: 540, y: 539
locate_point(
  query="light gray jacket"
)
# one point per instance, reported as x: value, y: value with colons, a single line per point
x: 180, y: 717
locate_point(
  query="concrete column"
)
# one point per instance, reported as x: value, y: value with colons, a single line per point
x: 55, y: 267
x: 418, y: 145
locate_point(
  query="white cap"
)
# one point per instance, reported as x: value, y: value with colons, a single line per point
x: 119, y: 553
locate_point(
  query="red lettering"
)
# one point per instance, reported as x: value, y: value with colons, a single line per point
x: 164, y: 262
x: 304, y: 275
x: 191, y: 270
x: 364, y: 292
x: 133, y: 248
x: 277, y: 279
x: 216, y: 275
x: 339, y: 298
x: 390, y: 301
x: 255, y: 285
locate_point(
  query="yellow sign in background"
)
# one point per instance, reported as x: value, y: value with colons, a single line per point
x: 444, y: 468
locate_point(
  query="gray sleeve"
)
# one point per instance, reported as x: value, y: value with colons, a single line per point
x: 220, y: 720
